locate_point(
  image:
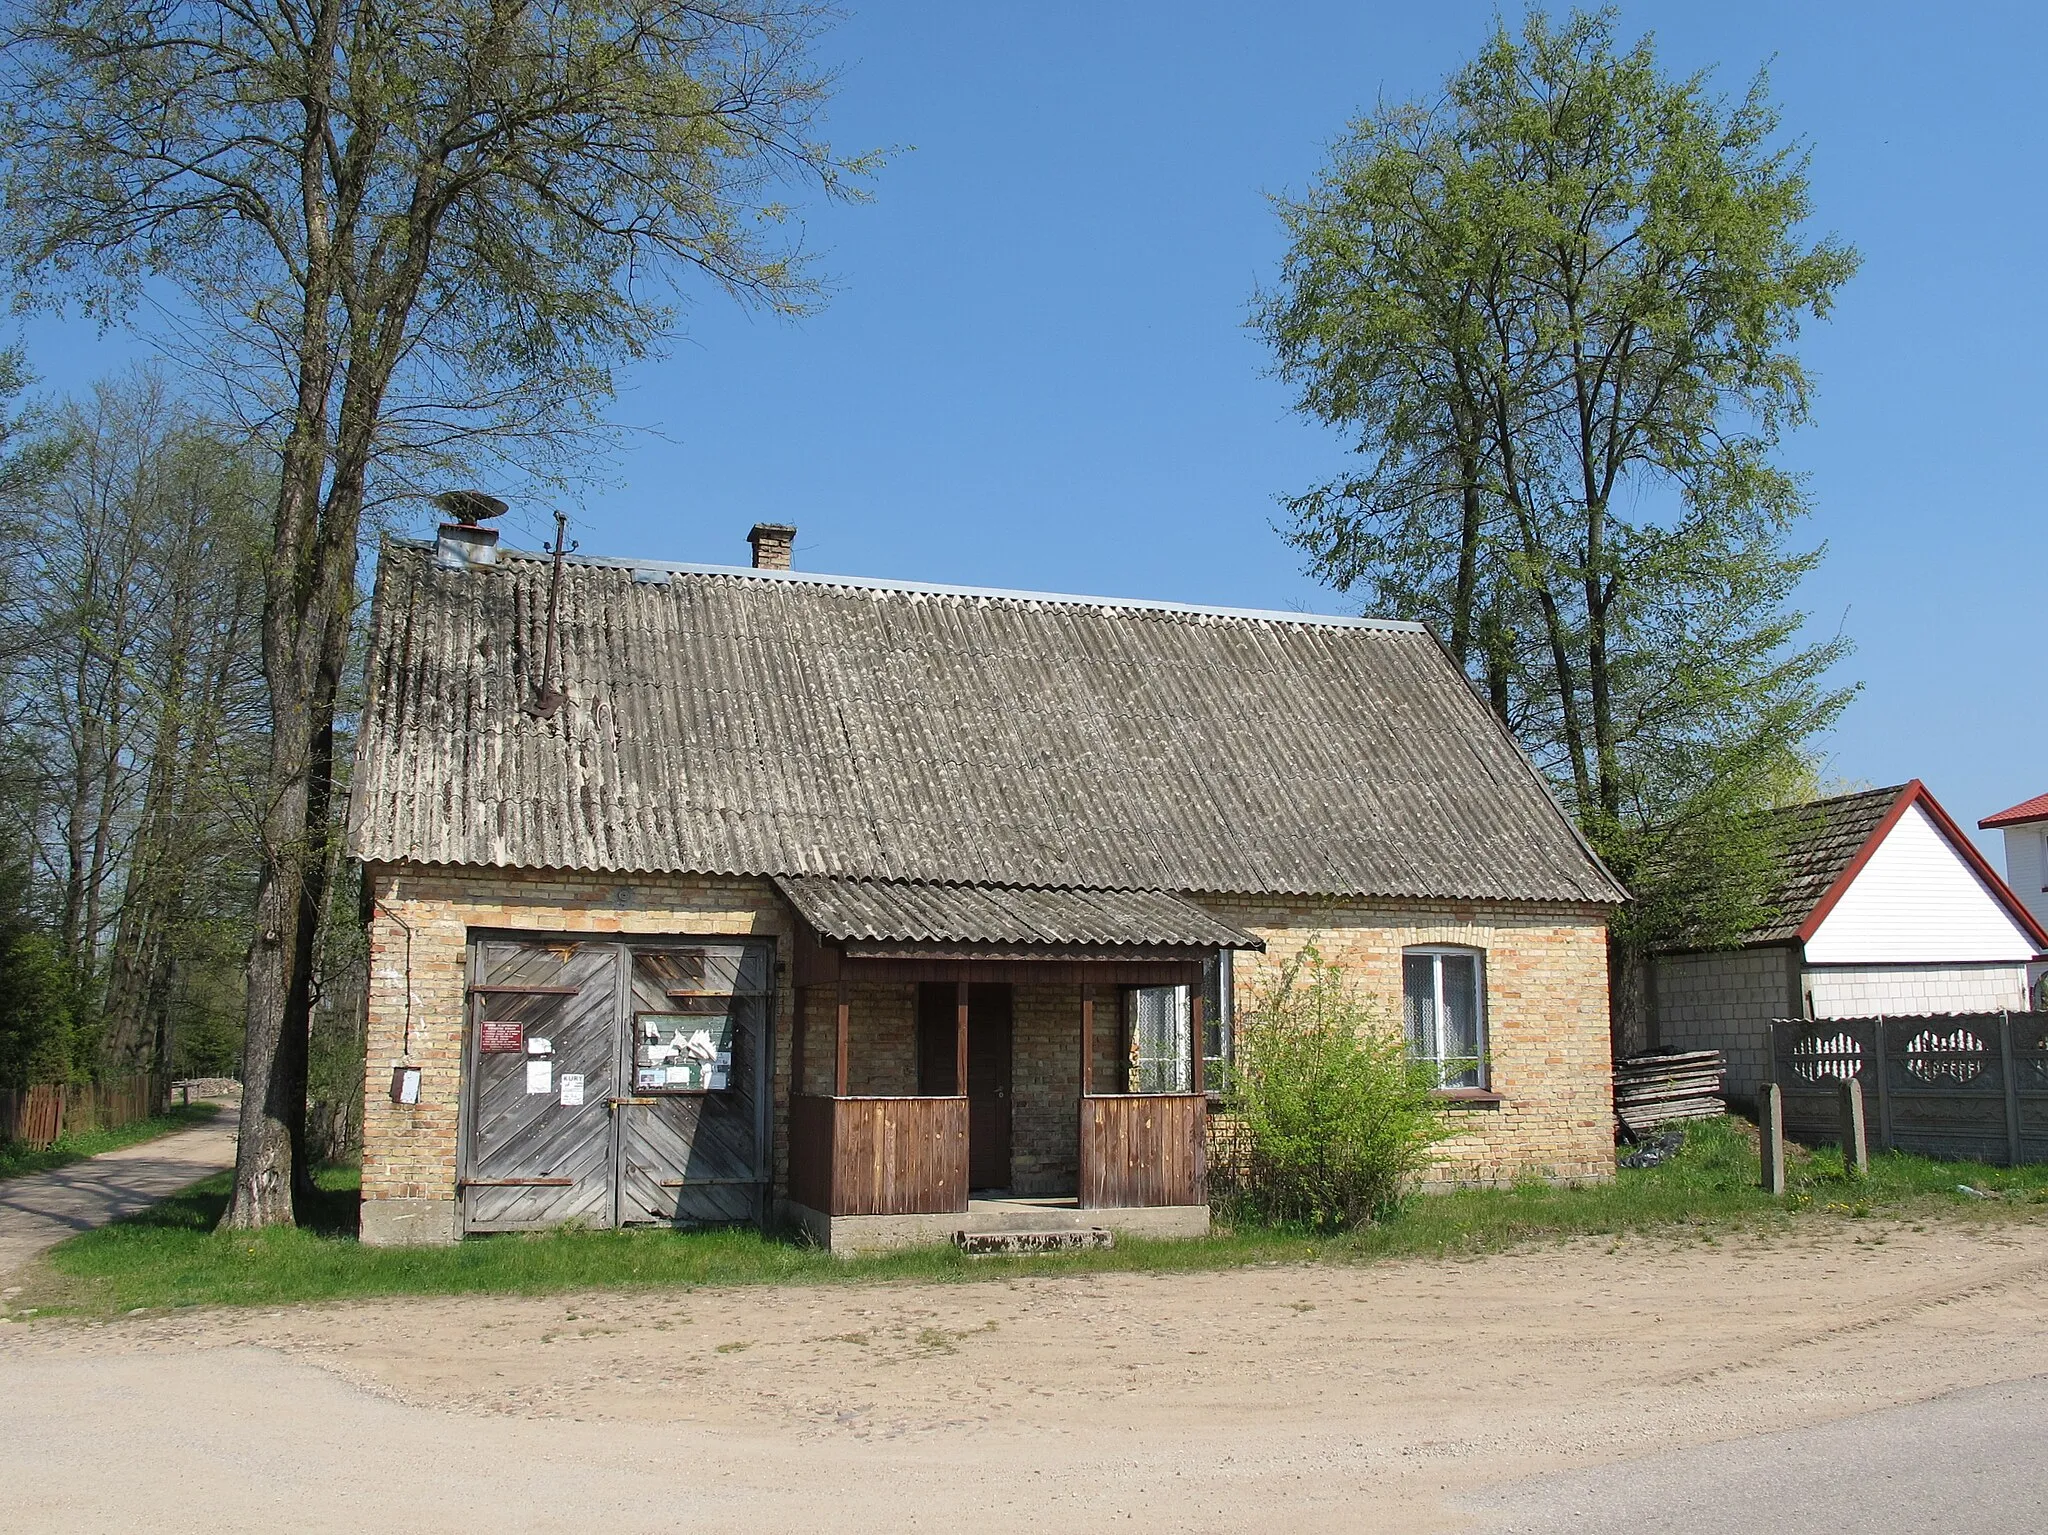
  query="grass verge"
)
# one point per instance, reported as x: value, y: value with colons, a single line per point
x: 16, y: 1158
x: 170, y: 1256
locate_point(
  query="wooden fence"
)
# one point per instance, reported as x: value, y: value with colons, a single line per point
x: 38, y: 1115
x: 1967, y: 1085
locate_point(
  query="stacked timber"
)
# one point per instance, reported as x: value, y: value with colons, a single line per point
x: 1660, y: 1086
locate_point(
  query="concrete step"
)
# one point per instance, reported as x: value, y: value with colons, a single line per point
x: 992, y: 1244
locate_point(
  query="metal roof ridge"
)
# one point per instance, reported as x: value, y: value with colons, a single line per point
x: 951, y: 882
x: 942, y: 589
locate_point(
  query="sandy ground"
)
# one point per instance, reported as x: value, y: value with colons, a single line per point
x: 1400, y: 1396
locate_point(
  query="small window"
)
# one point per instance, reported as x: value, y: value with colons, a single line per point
x: 1156, y: 1033
x: 1444, y: 1000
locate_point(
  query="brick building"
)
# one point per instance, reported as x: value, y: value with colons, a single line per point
x: 1884, y: 908
x: 706, y: 893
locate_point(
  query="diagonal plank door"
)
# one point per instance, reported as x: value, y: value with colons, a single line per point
x: 695, y: 1152
x: 532, y: 1158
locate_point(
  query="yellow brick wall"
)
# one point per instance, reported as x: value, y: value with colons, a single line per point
x: 1546, y: 973
x: 1546, y: 1015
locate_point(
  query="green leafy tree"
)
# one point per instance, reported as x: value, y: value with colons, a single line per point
x: 405, y: 235
x: 1555, y: 310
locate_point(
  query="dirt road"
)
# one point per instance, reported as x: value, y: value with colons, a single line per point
x: 39, y: 1210
x: 1397, y: 1397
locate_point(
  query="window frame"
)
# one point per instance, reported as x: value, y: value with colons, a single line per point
x: 1217, y: 1021
x: 1481, y: 1064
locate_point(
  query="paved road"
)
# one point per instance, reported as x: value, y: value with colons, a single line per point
x: 1969, y: 1461
x: 42, y: 1209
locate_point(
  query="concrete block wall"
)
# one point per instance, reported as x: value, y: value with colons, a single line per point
x: 1867, y: 991
x: 1546, y: 1010
x: 1725, y: 1001
x: 409, y: 1152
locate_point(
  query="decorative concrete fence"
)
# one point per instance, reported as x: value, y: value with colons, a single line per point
x: 1965, y: 1085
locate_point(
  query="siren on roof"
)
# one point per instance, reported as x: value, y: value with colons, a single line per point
x: 463, y: 544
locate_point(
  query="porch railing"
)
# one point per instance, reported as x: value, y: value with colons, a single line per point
x: 879, y: 1156
x: 1144, y: 1149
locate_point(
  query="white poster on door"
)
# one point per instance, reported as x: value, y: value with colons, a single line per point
x: 572, y: 1089
x: 540, y: 1076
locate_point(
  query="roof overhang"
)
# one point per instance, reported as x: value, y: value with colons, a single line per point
x: 2026, y: 813
x: 913, y: 919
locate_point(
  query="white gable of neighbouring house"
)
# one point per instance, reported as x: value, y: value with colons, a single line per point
x: 1917, y: 901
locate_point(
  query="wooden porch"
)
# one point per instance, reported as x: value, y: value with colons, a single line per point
x: 885, y: 1157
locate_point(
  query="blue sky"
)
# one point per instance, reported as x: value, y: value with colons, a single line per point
x: 1035, y: 373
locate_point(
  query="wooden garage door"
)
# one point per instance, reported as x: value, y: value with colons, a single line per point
x: 541, y: 1068
x: 616, y: 1084
x: 693, y: 1131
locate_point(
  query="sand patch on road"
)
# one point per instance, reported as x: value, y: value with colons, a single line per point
x: 1251, y: 1391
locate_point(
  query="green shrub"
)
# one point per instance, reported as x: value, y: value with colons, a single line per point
x: 1334, y: 1121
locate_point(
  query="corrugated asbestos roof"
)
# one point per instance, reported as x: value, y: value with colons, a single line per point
x: 1822, y: 839
x: 746, y: 722
x: 912, y: 911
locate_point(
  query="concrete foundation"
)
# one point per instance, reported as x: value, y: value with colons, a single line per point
x: 409, y: 1223
x: 879, y: 1233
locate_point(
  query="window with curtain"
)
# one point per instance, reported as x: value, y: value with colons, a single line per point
x: 1156, y: 1033
x: 1444, y: 999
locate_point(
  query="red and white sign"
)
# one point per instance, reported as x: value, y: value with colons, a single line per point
x: 501, y: 1038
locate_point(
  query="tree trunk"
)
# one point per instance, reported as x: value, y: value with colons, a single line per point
x: 1464, y: 591
x: 293, y: 635
x: 271, y: 1067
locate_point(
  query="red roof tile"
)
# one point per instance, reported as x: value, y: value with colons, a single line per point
x: 2035, y: 809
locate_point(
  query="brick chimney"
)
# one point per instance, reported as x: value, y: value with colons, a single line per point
x: 772, y: 542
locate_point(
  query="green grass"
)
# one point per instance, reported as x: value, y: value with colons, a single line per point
x: 16, y: 1158
x: 171, y: 1256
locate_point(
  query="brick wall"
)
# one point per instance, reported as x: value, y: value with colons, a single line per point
x: 1546, y: 999
x: 881, y: 1039
x: 1546, y: 1011
x: 409, y: 1152
x: 1726, y: 1001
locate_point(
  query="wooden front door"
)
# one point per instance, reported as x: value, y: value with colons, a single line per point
x: 988, y: 1086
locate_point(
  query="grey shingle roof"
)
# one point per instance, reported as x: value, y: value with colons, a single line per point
x: 914, y: 911
x: 1822, y: 839
x: 749, y: 722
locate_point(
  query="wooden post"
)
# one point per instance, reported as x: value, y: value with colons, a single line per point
x: 1195, y: 1039
x: 796, y: 1043
x: 960, y: 1037
x: 1770, y: 1124
x: 2012, y: 1090
x: 839, y: 1066
x: 1087, y: 1041
x: 1855, y: 1145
